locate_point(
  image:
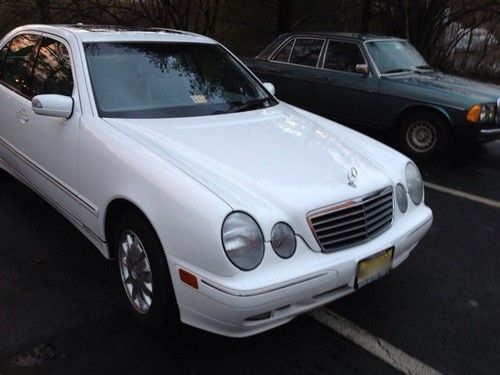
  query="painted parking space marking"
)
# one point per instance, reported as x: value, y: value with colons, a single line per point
x: 461, y: 194
x: 373, y: 344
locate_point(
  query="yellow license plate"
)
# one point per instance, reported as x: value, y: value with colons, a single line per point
x: 373, y: 267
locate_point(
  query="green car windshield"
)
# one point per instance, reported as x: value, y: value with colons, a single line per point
x: 395, y: 56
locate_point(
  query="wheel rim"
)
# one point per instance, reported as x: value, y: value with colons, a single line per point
x: 135, y: 272
x: 421, y: 136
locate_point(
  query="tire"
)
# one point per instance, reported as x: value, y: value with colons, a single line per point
x: 424, y: 135
x: 144, y: 274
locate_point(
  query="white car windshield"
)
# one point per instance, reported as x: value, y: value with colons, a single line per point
x: 395, y: 56
x: 162, y: 80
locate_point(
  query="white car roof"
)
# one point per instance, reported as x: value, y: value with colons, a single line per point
x: 113, y: 33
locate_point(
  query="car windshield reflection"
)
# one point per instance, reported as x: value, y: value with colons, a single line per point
x: 161, y: 80
x: 395, y: 56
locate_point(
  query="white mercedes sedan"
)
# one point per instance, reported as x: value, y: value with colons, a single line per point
x: 222, y: 206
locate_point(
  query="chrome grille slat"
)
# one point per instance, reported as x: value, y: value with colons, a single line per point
x: 342, y: 231
x: 342, y: 224
x: 344, y: 238
x: 381, y: 196
x: 379, y: 209
x: 351, y: 222
x: 376, y: 204
x: 380, y: 224
x: 339, y: 218
x: 377, y: 219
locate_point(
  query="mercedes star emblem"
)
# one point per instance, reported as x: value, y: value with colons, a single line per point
x: 352, y: 176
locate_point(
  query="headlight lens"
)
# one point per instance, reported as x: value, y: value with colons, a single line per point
x: 414, y: 183
x: 283, y: 240
x: 481, y: 113
x: 401, y: 198
x: 243, y: 241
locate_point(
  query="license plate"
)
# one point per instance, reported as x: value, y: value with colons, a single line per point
x: 373, y: 267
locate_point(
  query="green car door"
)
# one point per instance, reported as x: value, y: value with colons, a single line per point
x: 347, y: 94
x: 295, y: 71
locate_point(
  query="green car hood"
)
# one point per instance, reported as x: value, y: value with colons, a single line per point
x: 476, y: 91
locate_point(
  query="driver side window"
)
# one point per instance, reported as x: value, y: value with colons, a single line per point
x: 3, y: 55
x: 343, y: 56
x: 52, y: 71
x: 19, y: 62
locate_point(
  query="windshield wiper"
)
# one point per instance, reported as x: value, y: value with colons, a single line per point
x: 250, y: 104
x: 399, y: 70
x: 424, y: 67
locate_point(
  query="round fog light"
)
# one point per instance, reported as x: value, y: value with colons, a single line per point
x: 401, y: 198
x: 283, y: 240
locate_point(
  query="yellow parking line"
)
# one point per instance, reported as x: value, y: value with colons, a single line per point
x: 461, y: 194
x: 373, y: 344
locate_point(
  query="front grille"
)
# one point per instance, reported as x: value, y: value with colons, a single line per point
x: 348, y: 223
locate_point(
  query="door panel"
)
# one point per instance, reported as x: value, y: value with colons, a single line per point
x: 346, y: 95
x: 299, y: 86
x: 45, y: 149
x: 18, y: 57
x: 272, y: 71
x: 294, y: 71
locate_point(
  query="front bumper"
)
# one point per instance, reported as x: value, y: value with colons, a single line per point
x: 291, y: 287
x: 487, y: 135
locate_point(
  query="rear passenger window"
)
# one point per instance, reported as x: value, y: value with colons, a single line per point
x: 306, y: 51
x: 343, y: 56
x: 52, y: 71
x: 284, y: 53
x: 19, y: 62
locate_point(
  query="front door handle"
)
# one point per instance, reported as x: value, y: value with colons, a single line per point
x: 22, y: 115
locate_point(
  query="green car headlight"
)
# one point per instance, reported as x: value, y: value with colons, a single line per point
x: 481, y: 112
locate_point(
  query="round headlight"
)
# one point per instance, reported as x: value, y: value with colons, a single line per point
x: 283, y: 240
x: 243, y: 241
x: 401, y: 198
x: 414, y: 183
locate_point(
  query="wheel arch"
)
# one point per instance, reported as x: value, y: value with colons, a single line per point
x: 115, y: 208
x: 413, y: 108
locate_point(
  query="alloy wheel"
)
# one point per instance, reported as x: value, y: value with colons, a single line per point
x: 135, y: 271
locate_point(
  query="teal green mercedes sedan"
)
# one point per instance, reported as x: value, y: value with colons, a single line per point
x: 381, y: 83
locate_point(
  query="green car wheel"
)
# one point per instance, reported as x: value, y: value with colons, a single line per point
x: 423, y: 135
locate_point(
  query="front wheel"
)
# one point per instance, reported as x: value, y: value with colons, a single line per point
x: 144, y: 273
x: 424, y: 135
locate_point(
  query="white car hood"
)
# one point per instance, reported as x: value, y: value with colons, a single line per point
x: 276, y: 163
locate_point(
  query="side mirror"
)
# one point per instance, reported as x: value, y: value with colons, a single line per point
x: 363, y: 69
x: 270, y: 87
x: 53, y: 105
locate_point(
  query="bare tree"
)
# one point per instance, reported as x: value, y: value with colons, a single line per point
x: 285, y: 13
x: 366, y: 15
x: 44, y: 11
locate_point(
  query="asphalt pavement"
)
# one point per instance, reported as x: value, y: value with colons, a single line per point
x: 62, y: 312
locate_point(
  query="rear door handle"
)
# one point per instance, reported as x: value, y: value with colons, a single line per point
x: 319, y: 77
